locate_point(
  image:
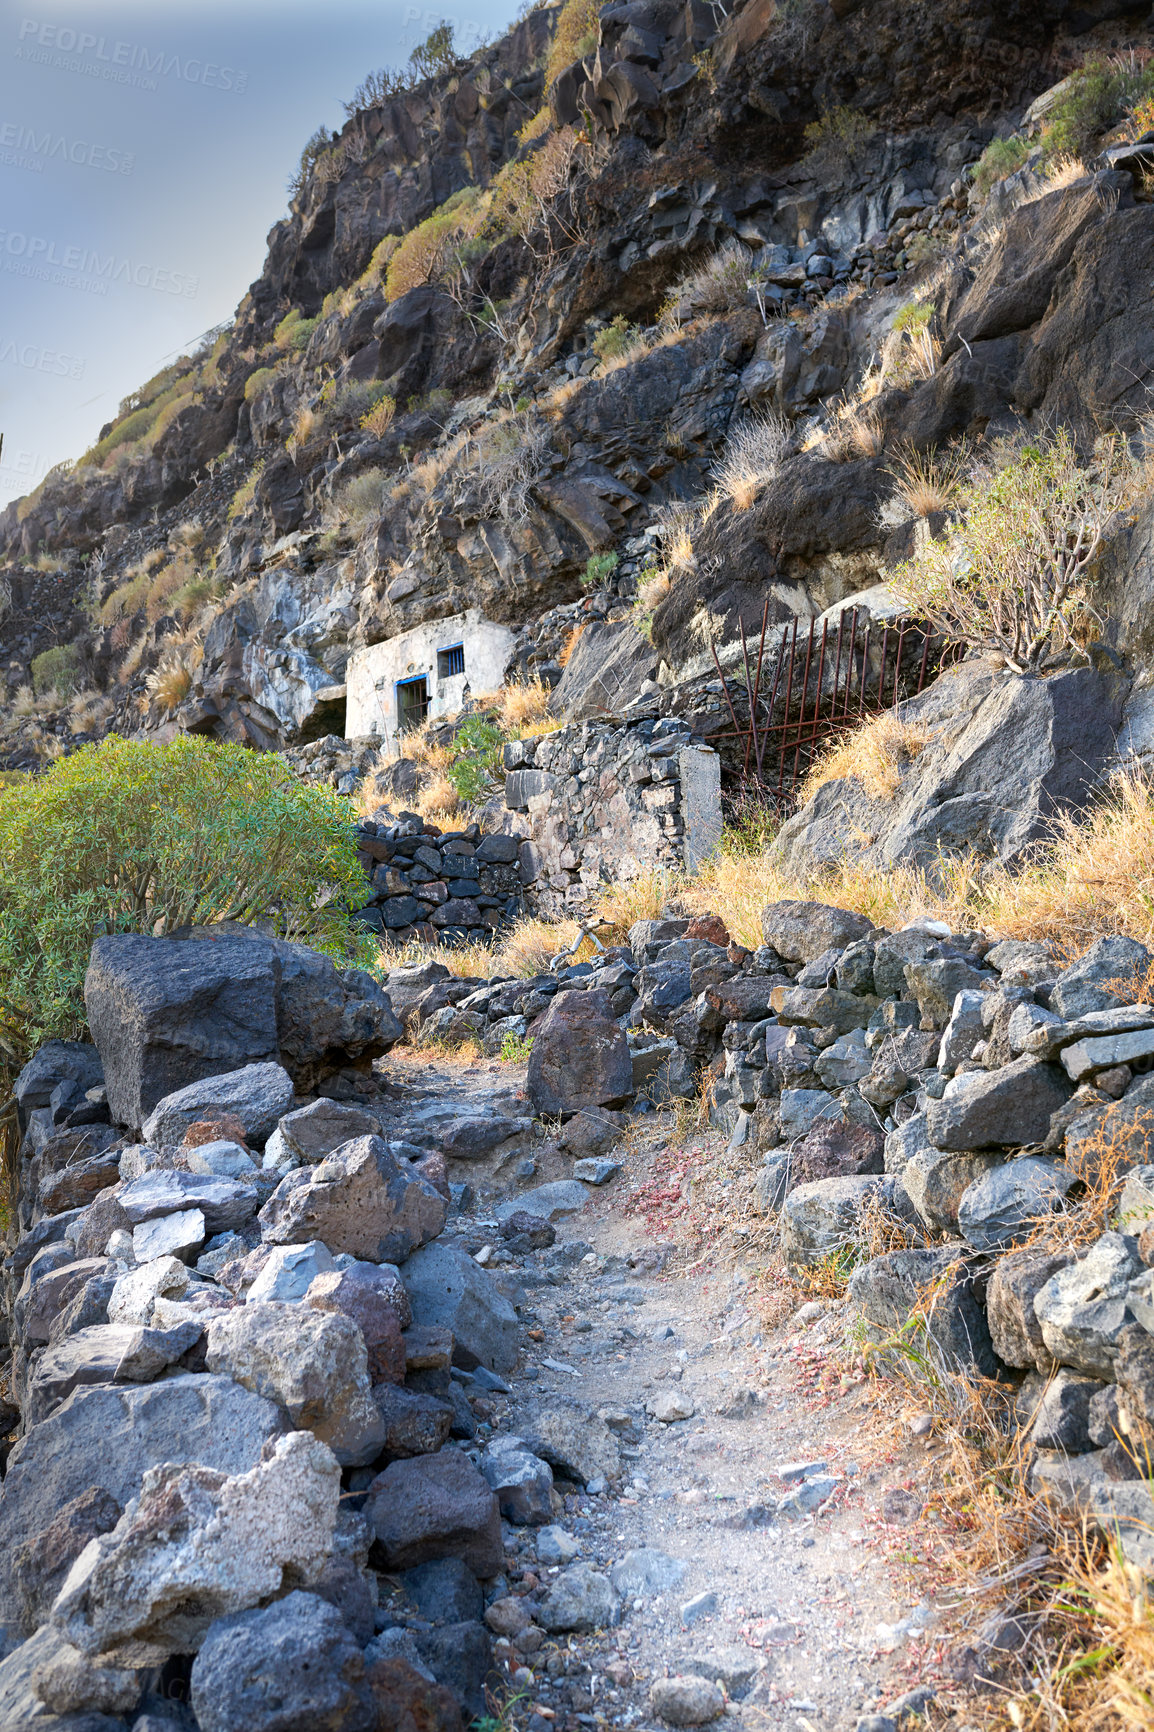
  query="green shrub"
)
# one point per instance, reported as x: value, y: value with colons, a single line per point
x: 361, y: 501
x: 294, y: 330
x: 515, y: 1048
x: 1097, y: 97
x: 258, y: 382
x: 56, y: 670
x: 838, y: 137
x: 618, y: 336
x: 479, y: 742
x: 1002, y: 156
x: 598, y: 568
x: 127, y: 836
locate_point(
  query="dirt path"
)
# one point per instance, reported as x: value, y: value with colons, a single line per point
x: 810, y: 1616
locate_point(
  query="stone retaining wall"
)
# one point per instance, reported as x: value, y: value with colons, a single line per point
x: 605, y: 803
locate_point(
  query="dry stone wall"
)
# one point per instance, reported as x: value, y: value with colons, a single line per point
x: 605, y: 803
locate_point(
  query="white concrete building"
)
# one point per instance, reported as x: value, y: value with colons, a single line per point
x: 428, y: 671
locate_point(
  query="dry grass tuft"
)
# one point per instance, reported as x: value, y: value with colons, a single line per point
x: 875, y: 756
x: 523, y: 705
x: 927, y: 483
x: 753, y: 454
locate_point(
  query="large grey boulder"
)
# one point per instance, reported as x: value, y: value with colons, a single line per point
x: 257, y: 1095
x: 290, y: 1667
x: 1009, y: 1107
x: 1004, y: 755
x: 312, y: 1362
x: 164, y: 1014
x: 360, y: 1199
x: 1082, y: 1309
x: 1008, y: 1202
x: 1014, y: 1284
x: 448, y: 1290
x: 107, y: 1436
x: 1101, y: 979
x: 824, y: 1217
x: 196, y: 1544
x: 887, y: 1289
x: 803, y: 931
x: 436, y: 1506
x: 580, y: 1056
x: 106, y: 1353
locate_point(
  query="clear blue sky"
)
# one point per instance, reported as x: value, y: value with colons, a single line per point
x: 144, y: 155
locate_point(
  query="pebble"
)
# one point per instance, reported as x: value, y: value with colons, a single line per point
x: 596, y: 1170
x: 671, y: 1405
x: 700, y: 1606
x: 555, y: 1546
x: 687, y: 1701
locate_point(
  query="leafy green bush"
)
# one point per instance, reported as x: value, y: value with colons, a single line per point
x: 479, y: 743
x: 838, y: 137
x: 56, y: 670
x: 1002, y: 156
x: 294, y: 330
x: 258, y: 382
x: 127, y: 836
x: 612, y: 342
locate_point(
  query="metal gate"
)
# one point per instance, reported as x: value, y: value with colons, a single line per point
x: 817, y: 683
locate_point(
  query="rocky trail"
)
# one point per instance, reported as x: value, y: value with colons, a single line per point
x: 759, y: 1490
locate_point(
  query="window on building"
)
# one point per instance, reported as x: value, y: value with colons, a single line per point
x: 412, y: 703
x: 451, y: 661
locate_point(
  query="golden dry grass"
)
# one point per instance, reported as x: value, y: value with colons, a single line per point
x: 927, y: 482
x: 875, y: 756
x: 522, y: 706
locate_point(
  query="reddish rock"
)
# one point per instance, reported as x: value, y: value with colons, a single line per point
x: 221, y: 1127
x: 379, y: 1306
x: 708, y: 929
x: 837, y: 1149
x: 415, y: 1424
x: 406, y: 1702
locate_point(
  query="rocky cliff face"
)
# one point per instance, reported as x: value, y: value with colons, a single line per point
x: 638, y: 257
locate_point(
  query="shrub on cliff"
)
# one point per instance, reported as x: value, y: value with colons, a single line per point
x: 126, y: 836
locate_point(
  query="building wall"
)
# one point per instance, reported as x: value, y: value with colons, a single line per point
x: 375, y: 672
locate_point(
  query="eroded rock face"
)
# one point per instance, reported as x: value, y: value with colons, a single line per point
x: 360, y: 1199
x: 196, y: 1545
x: 106, y: 1437
x: 448, y: 1290
x: 1005, y: 755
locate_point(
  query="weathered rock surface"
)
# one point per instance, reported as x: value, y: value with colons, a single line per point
x: 1009, y: 1106
x: 107, y: 1437
x: 580, y: 1057
x: 436, y: 1506
x: 1014, y: 1327
x: 580, y: 1599
x: 257, y: 1095
x: 289, y: 1667
x: 360, y: 1200
x: 373, y: 1296
x: 313, y: 1363
x: 195, y: 1545
x: 1082, y: 1308
x: 448, y: 1290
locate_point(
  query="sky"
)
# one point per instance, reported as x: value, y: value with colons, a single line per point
x: 145, y: 150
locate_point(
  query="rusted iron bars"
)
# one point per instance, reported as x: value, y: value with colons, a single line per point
x: 796, y: 737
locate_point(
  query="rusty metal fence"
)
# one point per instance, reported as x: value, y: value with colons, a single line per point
x: 816, y: 683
